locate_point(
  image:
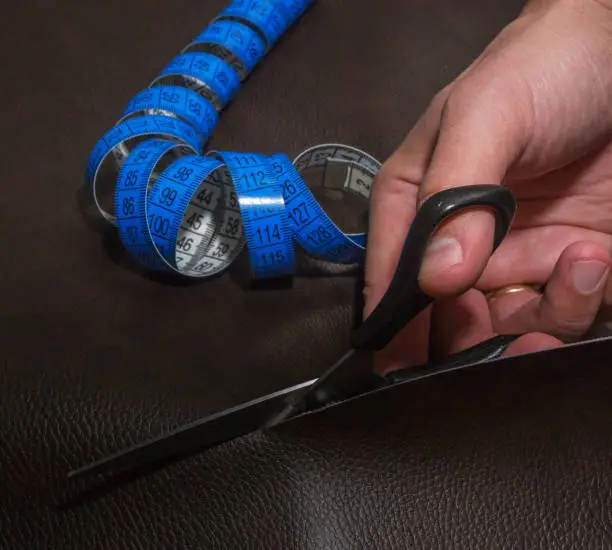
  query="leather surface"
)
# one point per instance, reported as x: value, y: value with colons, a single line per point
x: 97, y: 355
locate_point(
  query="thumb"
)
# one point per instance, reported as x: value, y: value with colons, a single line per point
x: 481, y: 135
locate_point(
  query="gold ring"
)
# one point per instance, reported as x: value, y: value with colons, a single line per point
x: 493, y: 295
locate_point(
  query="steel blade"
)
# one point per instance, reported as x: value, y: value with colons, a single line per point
x: 201, y: 434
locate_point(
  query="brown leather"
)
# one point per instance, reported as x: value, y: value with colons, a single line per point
x: 97, y: 355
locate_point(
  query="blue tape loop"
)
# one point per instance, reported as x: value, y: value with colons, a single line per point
x: 263, y: 215
x: 319, y: 235
x: 206, y: 74
x: 145, y: 161
x: 193, y: 220
x: 311, y: 227
x: 174, y: 100
x: 232, y: 41
x: 264, y: 15
x: 110, y: 151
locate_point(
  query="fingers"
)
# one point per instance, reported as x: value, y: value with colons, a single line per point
x: 564, y: 312
x: 571, y: 299
x: 459, y: 323
x: 481, y: 135
x: 465, y: 321
x: 530, y: 255
x: 529, y: 343
x: 393, y: 202
x: 408, y: 348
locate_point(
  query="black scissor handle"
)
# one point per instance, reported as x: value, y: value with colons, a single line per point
x: 404, y: 298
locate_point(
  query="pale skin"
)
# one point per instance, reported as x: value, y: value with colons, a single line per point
x: 534, y: 113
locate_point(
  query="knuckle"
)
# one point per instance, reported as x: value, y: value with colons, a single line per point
x: 388, y: 182
x: 439, y: 99
x: 572, y: 326
x: 464, y: 99
x: 489, y: 94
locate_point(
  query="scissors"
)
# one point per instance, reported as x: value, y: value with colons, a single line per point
x: 352, y: 375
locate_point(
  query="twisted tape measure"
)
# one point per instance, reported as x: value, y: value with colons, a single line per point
x: 193, y: 214
x: 113, y: 148
x: 176, y: 101
x: 181, y: 211
x: 271, y: 19
x: 204, y: 73
x: 239, y: 45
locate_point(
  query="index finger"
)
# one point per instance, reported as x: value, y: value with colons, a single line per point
x: 393, y: 202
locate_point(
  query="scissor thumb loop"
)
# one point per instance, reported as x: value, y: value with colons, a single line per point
x: 478, y: 141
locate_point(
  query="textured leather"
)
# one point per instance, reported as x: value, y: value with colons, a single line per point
x: 97, y: 355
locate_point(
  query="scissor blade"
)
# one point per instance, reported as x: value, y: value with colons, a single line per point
x: 201, y: 434
x: 348, y: 377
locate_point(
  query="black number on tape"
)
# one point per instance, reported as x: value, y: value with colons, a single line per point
x: 185, y: 243
x: 132, y: 178
x: 268, y: 235
x: 257, y: 178
x: 170, y: 97
x: 245, y: 160
x: 220, y: 250
x: 272, y: 258
x: 205, y: 196
x: 319, y: 235
x: 168, y: 195
x: 160, y: 224
x: 263, y: 209
x: 195, y: 108
x: 195, y: 221
x: 132, y: 232
x: 204, y: 266
x: 300, y: 214
x: 183, y: 173
x: 202, y: 65
x: 128, y: 206
x: 288, y: 189
x: 363, y: 183
x: 233, y: 224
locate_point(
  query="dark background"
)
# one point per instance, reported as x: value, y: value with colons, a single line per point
x: 96, y: 355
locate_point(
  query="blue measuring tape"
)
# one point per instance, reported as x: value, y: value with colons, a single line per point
x: 112, y: 149
x: 181, y: 210
x: 185, y: 104
x: 269, y: 17
x: 233, y: 42
x: 204, y: 73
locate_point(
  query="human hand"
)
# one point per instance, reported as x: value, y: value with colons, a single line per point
x: 534, y: 113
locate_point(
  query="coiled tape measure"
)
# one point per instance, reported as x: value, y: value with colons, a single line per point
x: 181, y: 210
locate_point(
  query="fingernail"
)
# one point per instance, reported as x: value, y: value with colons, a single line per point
x: 442, y: 253
x: 587, y: 275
